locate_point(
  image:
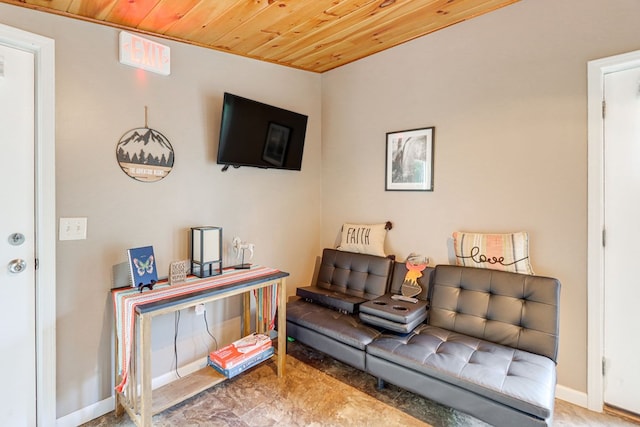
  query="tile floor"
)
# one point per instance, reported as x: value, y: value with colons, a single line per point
x: 320, y: 391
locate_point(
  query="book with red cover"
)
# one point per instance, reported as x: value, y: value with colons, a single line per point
x: 235, y: 353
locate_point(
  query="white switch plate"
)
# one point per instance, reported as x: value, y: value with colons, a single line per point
x: 73, y: 229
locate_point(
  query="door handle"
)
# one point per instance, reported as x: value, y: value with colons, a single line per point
x: 17, y: 266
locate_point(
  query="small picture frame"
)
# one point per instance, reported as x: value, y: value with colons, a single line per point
x: 275, y: 147
x: 409, y: 160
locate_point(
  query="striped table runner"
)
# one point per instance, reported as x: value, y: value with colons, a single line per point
x: 126, y: 300
x: 266, y: 307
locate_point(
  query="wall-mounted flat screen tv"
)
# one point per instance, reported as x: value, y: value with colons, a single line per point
x: 260, y: 135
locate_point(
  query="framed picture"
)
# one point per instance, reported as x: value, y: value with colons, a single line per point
x: 275, y: 147
x: 409, y: 164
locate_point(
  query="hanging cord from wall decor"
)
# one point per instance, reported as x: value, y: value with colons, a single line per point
x: 175, y: 340
x: 206, y: 325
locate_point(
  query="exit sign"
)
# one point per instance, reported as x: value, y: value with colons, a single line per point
x: 142, y: 53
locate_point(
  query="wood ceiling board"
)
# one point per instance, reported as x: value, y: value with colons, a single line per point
x: 166, y: 14
x: 98, y: 9
x: 272, y: 22
x: 131, y: 12
x: 197, y: 18
x: 61, y: 5
x: 316, y: 33
x: 315, y: 20
x: 231, y: 19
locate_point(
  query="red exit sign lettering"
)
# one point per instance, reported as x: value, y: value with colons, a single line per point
x: 142, y: 53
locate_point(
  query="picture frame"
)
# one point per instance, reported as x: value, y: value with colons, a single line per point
x: 409, y: 160
x: 275, y: 147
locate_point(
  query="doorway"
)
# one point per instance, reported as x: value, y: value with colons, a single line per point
x: 609, y: 79
x: 27, y: 246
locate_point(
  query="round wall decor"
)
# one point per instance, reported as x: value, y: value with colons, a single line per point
x: 145, y: 154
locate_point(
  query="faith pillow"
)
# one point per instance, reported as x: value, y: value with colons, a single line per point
x: 363, y: 238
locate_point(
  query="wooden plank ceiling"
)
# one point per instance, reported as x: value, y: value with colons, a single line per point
x: 313, y: 35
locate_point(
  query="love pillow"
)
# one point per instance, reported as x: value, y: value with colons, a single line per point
x: 506, y: 252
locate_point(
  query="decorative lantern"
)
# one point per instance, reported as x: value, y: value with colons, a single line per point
x: 206, y: 251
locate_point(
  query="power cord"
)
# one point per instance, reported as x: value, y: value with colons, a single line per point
x: 175, y: 337
x: 206, y: 324
x: 175, y: 340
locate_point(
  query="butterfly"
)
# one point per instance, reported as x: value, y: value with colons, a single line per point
x: 144, y: 266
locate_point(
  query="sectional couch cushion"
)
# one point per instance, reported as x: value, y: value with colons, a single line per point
x: 342, y: 327
x: 512, y: 377
x: 346, y: 279
x: 515, y: 310
x: 329, y: 298
x: 393, y: 315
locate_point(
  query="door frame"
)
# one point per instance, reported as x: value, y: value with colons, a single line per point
x: 43, y: 49
x: 596, y: 70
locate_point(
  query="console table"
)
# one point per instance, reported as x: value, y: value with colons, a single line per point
x: 134, y: 311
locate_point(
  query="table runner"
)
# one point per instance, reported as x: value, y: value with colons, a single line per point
x: 126, y: 300
x: 266, y: 307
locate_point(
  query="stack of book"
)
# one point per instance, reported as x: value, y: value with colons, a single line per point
x: 241, y: 355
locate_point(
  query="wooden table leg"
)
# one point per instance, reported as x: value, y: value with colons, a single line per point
x: 246, y: 314
x: 119, y: 409
x: 145, y: 372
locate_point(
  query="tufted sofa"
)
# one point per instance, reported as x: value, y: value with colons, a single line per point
x: 488, y: 346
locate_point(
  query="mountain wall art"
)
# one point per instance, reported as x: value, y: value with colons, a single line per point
x: 145, y: 154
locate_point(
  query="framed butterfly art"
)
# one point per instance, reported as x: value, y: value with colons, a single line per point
x: 142, y: 264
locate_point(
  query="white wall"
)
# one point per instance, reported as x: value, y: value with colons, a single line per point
x: 98, y: 100
x: 507, y: 95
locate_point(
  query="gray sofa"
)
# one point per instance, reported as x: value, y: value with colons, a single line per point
x: 488, y: 346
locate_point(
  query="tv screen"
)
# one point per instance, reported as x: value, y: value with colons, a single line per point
x: 260, y: 135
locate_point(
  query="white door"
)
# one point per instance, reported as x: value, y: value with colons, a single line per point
x: 622, y: 250
x: 17, y: 253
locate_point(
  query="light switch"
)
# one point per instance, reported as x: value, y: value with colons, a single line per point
x: 73, y: 229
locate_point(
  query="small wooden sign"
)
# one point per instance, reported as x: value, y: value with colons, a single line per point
x: 178, y: 272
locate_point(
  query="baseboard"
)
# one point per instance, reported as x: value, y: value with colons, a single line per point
x: 87, y: 413
x: 105, y: 406
x: 570, y: 395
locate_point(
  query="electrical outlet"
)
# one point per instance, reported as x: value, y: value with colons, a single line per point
x: 199, y: 309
